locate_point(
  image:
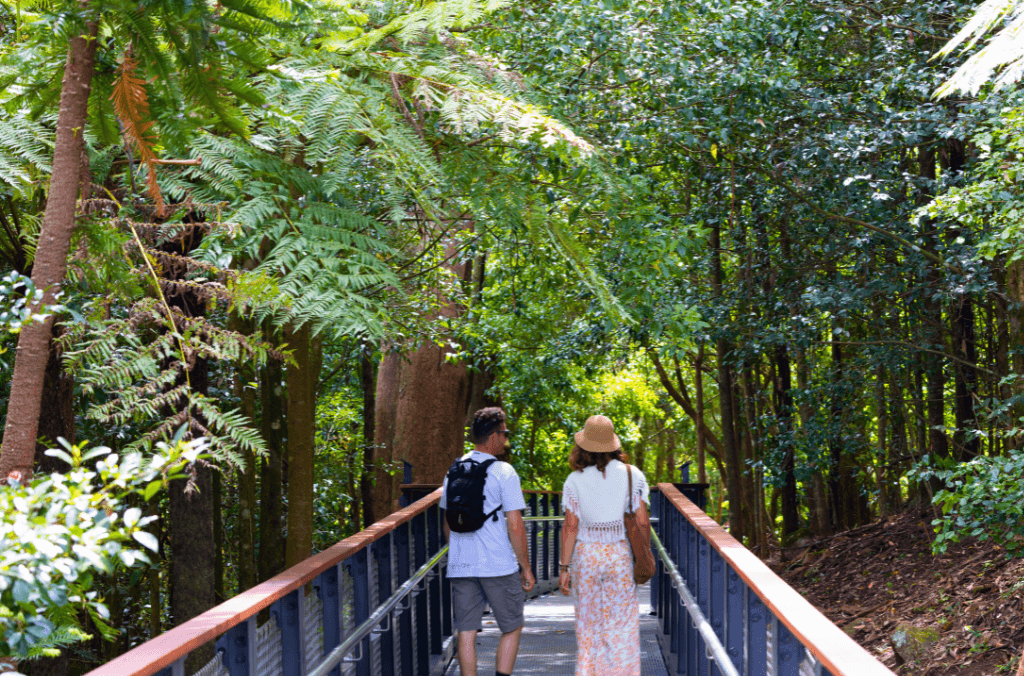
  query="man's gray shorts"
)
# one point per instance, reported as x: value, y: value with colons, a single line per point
x: 504, y: 594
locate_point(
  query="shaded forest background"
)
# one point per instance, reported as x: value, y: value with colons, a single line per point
x: 319, y: 236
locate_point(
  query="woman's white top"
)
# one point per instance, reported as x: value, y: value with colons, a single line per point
x: 599, y: 501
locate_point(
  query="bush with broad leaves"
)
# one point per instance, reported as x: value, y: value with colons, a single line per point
x: 59, y: 531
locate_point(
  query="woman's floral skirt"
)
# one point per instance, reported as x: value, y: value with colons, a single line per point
x: 607, y: 610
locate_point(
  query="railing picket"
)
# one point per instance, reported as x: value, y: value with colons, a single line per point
x: 557, y: 540
x: 419, y: 557
x: 673, y: 613
x: 757, y: 635
x: 693, y: 643
x: 328, y: 588
x: 703, y: 595
x: 531, y: 525
x: 386, y: 641
x: 403, y: 537
x: 176, y: 669
x: 434, y: 586
x: 359, y: 570
x: 238, y: 649
x: 287, y: 612
x: 789, y: 651
x: 446, y: 596
x: 680, y: 619
x: 717, y: 600
x: 734, y: 618
x: 545, y: 503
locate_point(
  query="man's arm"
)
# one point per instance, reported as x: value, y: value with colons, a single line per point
x: 447, y: 532
x: 517, y: 535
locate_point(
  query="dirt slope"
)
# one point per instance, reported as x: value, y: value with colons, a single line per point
x: 871, y: 579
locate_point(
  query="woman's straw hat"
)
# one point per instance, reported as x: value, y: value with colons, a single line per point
x: 598, y: 435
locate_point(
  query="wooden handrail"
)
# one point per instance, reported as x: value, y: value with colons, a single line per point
x: 829, y: 644
x: 167, y: 648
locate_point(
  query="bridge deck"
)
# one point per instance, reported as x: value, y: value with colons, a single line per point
x: 548, y: 645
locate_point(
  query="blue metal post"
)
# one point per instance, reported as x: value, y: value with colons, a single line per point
x: 288, y: 614
x: 684, y: 472
x: 680, y: 618
x: 656, y: 580
x: 757, y: 634
x: 672, y: 608
x: 734, y: 618
x: 328, y: 588
x: 717, y: 601
x: 703, y: 596
x: 381, y: 550
x: 788, y: 650
x: 403, y: 544
x: 407, y: 469
x: 693, y: 643
x: 238, y: 648
x: 532, y: 526
x: 446, y: 596
x: 358, y: 569
x: 557, y: 511
x: 545, y: 505
x: 419, y: 557
x: 434, y: 545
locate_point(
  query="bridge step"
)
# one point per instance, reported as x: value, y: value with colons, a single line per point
x: 548, y: 644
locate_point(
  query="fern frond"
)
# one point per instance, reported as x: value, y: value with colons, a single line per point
x: 131, y: 104
x: 1004, y: 51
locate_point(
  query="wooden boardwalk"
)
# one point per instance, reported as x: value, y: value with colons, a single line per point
x: 548, y: 644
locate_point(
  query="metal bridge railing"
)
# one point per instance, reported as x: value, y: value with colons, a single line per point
x: 375, y: 604
x: 723, y: 612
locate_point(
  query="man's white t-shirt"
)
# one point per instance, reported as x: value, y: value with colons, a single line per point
x: 487, y: 552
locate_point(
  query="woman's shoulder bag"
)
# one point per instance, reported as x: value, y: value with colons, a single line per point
x: 639, y: 539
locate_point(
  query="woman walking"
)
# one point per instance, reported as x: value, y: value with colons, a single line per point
x: 594, y: 541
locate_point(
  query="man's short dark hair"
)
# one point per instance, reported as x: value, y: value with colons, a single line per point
x: 486, y: 421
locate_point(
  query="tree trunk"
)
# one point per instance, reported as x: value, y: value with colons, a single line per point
x: 751, y: 440
x: 698, y: 384
x: 50, y: 265
x: 899, y: 448
x: 936, y: 376
x: 659, y: 465
x: 248, y: 575
x: 367, y: 378
x: 385, y: 416
x: 843, y: 508
x: 303, y: 376
x: 784, y: 413
x: 670, y: 454
x: 272, y: 541
x: 818, y: 502
x: 218, y: 538
x: 430, y: 416
x: 193, y: 546
x: 57, y: 409
x: 734, y: 478
x: 883, y: 457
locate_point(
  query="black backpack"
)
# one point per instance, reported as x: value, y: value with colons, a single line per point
x: 465, y: 495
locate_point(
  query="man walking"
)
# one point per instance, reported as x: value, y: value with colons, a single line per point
x: 487, y: 556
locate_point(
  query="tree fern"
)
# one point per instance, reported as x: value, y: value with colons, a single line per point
x: 1004, y: 51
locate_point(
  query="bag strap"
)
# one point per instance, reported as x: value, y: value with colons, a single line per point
x: 629, y: 492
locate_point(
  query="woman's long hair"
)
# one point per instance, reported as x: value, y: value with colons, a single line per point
x: 580, y: 459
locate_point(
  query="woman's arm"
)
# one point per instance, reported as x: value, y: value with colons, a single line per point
x: 570, y: 529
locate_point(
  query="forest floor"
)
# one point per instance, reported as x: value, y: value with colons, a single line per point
x: 873, y: 579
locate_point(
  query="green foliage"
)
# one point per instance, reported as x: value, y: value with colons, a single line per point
x: 61, y: 531
x: 982, y: 498
x: 138, y: 371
